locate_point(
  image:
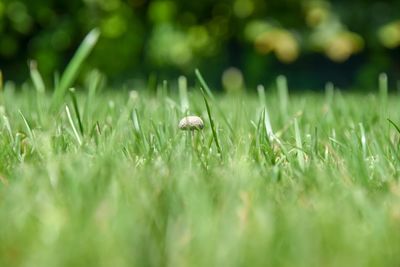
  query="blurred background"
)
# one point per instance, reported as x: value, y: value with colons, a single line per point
x: 245, y: 41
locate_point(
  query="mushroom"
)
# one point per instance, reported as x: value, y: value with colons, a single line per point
x: 191, y: 123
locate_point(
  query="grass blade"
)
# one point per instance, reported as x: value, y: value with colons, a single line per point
x: 299, y: 145
x: 76, y: 109
x: 281, y: 83
x: 152, y: 82
x: 72, y: 70
x: 383, y: 93
x: 267, y: 123
x: 206, y: 91
x: 7, y: 125
x: 214, y: 131
x: 39, y: 85
x: 363, y: 140
x: 394, y: 125
x: 37, y: 79
x: 94, y: 82
x: 315, y: 142
x: 138, y: 129
x: 28, y: 128
x: 71, y: 122
x: 261, y: 95
x: 383, y: 85
x: 182, y: 84
x: 1, y: 80
x: 203, y: 84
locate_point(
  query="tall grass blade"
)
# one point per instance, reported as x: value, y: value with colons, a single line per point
x: 152, y: 82
x: 71, y: 122
x: 18, y: 148
x: 315, y: 141
x: 76, y: 109
x: 206, y: 91
x: 261, y: 95
x: 39, y: 85
x: 283, y: 94
x: 299, y: 145
x: 56, y: 79
x: 383, y: 93
x: 37, y: 79
x: 267, y: 123
x: 329, y: 92
x: 383, y: 85
x: 94, y: 80
x: 203, y: 84
x: 28, y: 128
x: 72, y: 70
x: 363, y: 140
x: 394, y: 125
x: 213, y: 129
x: 162, y: 90
x: 1, y: 80
x: 137, y: 126
x: 182, y: 85
x: 7, y: 124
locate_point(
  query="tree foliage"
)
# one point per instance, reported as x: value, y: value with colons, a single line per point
x: 141, y: 36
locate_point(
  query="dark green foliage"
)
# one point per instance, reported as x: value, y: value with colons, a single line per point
x: 344, y: 41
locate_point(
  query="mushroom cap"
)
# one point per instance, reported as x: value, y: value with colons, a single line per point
x: 191, y: 123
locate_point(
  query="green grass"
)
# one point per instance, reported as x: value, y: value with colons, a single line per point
x: 280, y: 179
x: 95, y: 177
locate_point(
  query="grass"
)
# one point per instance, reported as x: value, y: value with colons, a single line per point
x: 315, y: 184
x: 94, y: 177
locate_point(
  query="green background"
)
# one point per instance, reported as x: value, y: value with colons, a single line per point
x: 312, y: 42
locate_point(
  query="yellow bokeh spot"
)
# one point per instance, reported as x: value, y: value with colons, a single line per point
x: 339, y: 50
x: 263, y: 42
x: 279, y: 41
x: 389, y: 35
x: 286, y: 48
x: 316, y: 15
x: 343, y: 45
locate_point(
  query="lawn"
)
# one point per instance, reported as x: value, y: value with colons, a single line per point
x: 106, y: 178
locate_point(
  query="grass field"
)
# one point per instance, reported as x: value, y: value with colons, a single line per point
x: 99, y: 177
x: 275, y: 180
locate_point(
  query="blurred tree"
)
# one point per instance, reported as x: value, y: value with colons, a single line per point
x: 260, y: 37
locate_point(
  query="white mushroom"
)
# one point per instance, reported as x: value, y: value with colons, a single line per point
x: 191, y: 123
